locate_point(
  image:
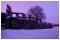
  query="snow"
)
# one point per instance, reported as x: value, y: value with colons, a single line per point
x: 52, y: 33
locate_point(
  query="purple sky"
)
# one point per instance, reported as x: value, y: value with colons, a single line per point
x: 51, y: 8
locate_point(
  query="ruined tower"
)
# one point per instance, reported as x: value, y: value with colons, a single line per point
x: 8, y: 10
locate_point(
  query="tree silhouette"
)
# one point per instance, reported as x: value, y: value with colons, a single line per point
x: 37, y: 11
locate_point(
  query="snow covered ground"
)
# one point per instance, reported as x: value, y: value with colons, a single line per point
x: 52, y: 33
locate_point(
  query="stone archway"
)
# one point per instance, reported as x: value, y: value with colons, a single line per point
x: 16, y: 21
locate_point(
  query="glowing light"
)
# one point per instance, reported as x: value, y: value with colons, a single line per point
x: 3, y: 24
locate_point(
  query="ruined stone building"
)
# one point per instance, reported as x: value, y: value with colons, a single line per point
x: 18, y: 22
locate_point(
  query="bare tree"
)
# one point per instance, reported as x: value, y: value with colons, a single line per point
x: 37, y: 11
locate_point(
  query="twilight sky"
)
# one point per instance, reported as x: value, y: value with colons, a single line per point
x: 51, y: 8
